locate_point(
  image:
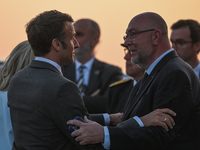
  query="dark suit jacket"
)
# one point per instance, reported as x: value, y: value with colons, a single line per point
x: 118, y: 95
x: 172, y: 84
x: 41, y: 101
x: 101, y: 76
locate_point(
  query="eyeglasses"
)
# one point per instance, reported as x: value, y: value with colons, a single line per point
x: 180, y: 43
x: 131, y: 36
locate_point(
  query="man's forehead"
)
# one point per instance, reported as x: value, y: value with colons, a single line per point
x: 68, y: 25
x: 69, y: 28
x: 183, y: 30
x: 72, y: 27
x: 180, y: 33
x: 82, y: 24
x: 135, y: 24
x: 83, y: 28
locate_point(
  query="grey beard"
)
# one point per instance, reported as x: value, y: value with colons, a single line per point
x: 140, y: 60
x: 81, y: 53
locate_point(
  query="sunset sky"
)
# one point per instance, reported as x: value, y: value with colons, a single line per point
x: 113, y: 17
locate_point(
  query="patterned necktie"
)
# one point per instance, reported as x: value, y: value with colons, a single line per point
x: 80, y: 83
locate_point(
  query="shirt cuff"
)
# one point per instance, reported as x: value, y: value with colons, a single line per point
x: 139, y: 121
x: 106, y: 143
x: 106, y: 118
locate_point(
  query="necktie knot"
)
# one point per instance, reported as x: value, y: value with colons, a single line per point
x: 81, y: 68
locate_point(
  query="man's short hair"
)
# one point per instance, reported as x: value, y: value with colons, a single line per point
x: 193, y: 25
x: 46, y: 26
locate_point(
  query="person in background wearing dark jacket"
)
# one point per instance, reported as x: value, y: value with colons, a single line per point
x: 92, y: 76
x: 120, y: 90
x: 185, y: 39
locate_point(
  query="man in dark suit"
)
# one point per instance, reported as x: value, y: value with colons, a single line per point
x: 41, y: 100
x: 120, y: 90
x: 97, y: 75
x: 168, y: 82
x: 185, y: 39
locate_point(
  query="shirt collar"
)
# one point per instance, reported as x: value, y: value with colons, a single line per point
x: 152, y: 66
x: 49, y: 61
x: 134, y: 82
x: 88, y: 64
x: 197, y: 69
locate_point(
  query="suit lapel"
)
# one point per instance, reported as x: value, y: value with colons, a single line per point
x: 137, y: 94
x: 94, y: 76
x: 136, y: 97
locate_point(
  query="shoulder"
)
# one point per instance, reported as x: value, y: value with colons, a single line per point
x: 121, y: 82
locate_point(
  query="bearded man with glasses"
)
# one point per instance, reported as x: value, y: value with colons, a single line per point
x: 170, y: 83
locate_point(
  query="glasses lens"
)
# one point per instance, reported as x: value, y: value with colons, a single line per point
x: 179, y: 43
x: 125, y: 37
x: 132, y: 36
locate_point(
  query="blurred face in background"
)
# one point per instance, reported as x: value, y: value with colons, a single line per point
x: 132, y: 69
x: 83, y: 36
x: 182, y: 43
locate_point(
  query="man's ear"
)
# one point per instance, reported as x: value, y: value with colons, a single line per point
x: 95, y: 41
x: 197, y: 46
x: 156, y: 37
x: 56, y: 44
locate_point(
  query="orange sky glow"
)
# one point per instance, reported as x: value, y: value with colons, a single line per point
x: 113, y: 17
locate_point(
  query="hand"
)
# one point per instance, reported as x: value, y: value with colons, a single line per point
x: 95, y: 93
x: 159, y: 117
x: 89, y: 133
x: 115, y: 119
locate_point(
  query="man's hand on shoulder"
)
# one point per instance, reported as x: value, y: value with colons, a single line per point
x: 159, y: 117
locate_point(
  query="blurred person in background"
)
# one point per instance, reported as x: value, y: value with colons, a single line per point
x: 96, y: 75
x: 185, y: 39
x: 19, y: 58
x: 120, y: 90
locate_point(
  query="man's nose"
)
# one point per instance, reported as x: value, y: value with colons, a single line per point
x: 76, y: 44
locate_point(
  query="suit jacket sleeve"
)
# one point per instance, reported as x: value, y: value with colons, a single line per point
x: 62, y: 111
x: 98, y: 118
x: 128, y: 123
x: 173, y: 89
